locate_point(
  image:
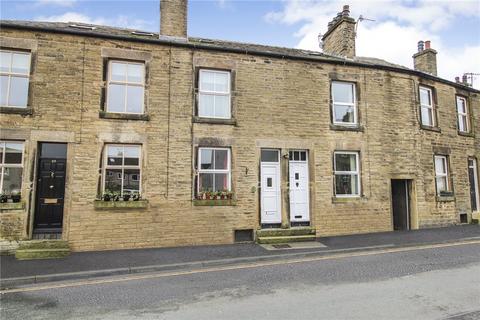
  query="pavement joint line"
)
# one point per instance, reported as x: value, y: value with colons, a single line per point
x: 241, y: 266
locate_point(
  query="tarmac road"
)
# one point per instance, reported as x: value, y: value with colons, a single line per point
x: 437, y: 282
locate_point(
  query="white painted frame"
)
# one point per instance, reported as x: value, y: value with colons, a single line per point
x: 228, y: 170
x: 11, y: 74
x: 122, y: 167
x: 125, y: 83
x: 441, y: 175
x: 4, y: 165
x: 352, y: 173
x: 227, y: 93
x: 352, y: 104
x: 462, y: 115
x: 430, y: 107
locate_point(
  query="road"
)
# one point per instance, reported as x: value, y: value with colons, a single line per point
x: 437, y: 282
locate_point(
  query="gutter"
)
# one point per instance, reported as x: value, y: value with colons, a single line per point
x: 263, y: 53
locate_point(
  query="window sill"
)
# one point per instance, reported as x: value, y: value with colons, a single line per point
x: 108, y: 205
x: 14, y: 110
x: 466, y: 134
x: 12, y: 206
x: 338, y: 127
x: 445, y: 198
x: 347, y: 199
x: 123, y: 116
x: 232, y: 122
x: 429, y: 128
x: 214, y: 203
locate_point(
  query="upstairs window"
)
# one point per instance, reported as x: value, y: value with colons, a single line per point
x: 11, y: 167
x: 213, y: 169
x: 427, y: 107
x: 122, y: 173
x: 442, y: 180
x: 14, y: 78
x: 347, y: 174
x: 125, y: 92
x: 214, y: 95
x: 344, y: 103
x: 463, y: 117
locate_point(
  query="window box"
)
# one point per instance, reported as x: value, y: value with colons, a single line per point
x: 12, y: 206
x: 108, y: 205
x: 13, y: 110
x: 215, y: 203
x: 123, y: 116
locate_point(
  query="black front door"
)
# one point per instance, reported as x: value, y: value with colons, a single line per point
x: 52, y: 163
x: 400, y: 205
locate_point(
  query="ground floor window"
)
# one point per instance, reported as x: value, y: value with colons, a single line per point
x: 213, y: 169
x: 441, y: 175
x: 347, y: 177
x: 122, y: 172
x: 11, y: 167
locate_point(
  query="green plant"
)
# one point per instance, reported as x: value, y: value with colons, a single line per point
x: 3, y: 198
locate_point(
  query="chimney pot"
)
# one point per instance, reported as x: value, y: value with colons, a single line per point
x: 346, y: 11
x: 420, y: 46
x: 427, y: 44
x: 464, y: 79
x: 457, y: 79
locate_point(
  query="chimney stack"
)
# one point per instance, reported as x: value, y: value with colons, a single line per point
x: 173, y: 18
x: 339, y: 39
x: 425, y: 59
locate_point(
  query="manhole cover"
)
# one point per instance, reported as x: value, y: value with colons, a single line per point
x: 281, y: 246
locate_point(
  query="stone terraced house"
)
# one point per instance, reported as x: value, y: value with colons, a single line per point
x: 114, y: 138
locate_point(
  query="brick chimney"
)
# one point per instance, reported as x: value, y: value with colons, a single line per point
x: 339, y: 39
x: 173, y: 18
x: 425, y: 59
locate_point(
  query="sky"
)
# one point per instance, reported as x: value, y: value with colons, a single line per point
x: 453, y: 27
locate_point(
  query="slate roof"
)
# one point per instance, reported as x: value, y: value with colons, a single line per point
x: 212, y: 44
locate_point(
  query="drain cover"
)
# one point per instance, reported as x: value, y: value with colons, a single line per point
x: 281, y: 246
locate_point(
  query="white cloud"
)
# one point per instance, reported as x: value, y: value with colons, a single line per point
x: 119, y: 21
x: 394, y: 34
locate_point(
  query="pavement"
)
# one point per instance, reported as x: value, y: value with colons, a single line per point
x: 81, y: 265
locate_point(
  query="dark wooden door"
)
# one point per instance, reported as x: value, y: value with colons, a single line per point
x: 472, y: 176
x: 51, y: 171
x: 400, y: 205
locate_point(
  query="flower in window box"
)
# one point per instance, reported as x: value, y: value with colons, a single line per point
x: 107, y: 196
x: 229, y: 195
x: 16, y: 195
x: 126, y: 196
x: 135, y: 197
x: 3, y: 198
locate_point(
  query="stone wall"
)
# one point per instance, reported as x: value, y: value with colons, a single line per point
x: 278, y: 103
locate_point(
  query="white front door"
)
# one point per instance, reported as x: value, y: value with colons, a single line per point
x: 299, y: 191
x: 270, y: 187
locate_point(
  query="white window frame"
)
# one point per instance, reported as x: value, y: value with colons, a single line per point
x: 125, y: 83
x: 442, y: 175
x: 228, y: 170
x: 4, y: 165
x: 352, y: 173
x: 462, y: 115
x: 228, y: 93
x: 122, y: 166
x: 348, y: 104
x: 430, y: 107
x: 11, y: 74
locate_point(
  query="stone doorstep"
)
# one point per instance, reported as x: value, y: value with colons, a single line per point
x: 278, y: 232
x: 30, y: 254
x: 285, y: 239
